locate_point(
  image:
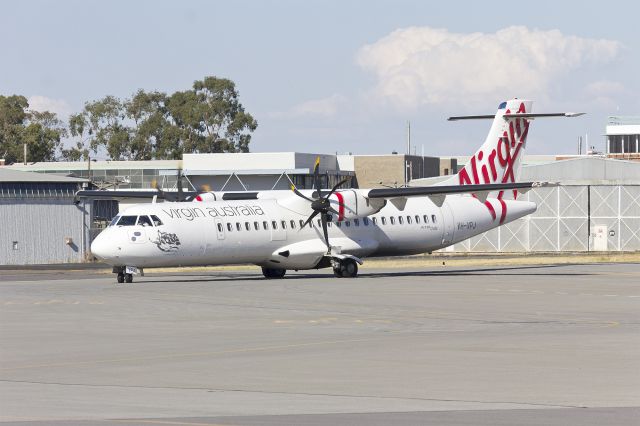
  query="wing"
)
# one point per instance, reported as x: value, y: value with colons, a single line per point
x: 438, y: 193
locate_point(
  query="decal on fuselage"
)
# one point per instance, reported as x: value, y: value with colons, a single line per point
x: 190, y: 213
x: 167, y: 242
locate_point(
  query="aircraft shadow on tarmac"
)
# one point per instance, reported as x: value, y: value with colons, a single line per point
x: 531, y: 270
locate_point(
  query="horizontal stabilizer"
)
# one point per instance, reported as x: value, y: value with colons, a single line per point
x: 516, y: 115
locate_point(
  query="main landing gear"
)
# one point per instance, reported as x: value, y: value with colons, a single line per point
x: 345, y: 268
x: 272, y: 273
x: 122, y: 278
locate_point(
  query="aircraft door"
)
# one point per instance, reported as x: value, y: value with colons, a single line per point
x: 447, y: 224
x: 278, y: 232
x: 219, y: 228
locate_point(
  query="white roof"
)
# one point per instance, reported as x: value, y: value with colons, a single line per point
x: 9, y: 175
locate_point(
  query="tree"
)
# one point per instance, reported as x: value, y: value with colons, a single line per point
x: 42, y: 132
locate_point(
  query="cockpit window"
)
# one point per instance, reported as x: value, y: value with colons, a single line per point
x: 156, y: 220
x: 127, y: 221
x: 114, y: 220
x: 144, y: 221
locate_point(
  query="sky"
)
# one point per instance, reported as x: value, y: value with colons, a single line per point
x: 340, y: 76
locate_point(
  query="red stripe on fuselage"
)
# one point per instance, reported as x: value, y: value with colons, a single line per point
x: 340, y: 205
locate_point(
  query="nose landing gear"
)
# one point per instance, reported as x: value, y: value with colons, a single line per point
x: 125, y: 274
x: 270, y: 273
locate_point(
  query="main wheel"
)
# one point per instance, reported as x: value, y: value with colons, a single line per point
x: 337, y: 272
x: 120, y: 277
x: 349, y: 268
x: 128, y: 278
x: 273, y: 273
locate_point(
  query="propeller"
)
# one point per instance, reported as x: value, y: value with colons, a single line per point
x: 320, y: 203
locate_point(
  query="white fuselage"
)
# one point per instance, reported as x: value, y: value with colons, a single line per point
x: 267, y: 232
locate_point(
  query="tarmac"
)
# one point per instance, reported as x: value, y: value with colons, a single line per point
x: 438, y: 345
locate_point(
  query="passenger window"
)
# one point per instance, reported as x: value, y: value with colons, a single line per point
x: 409, y: 220
x: 347, y: 224
x: 256, y: 225
x: 127, y: 220
x: 293, y: 224
x: 156, y: 220
x: 274, y: 224
x: 238, y: 226
x: 144, y: 221
x: 284, y: 224
x: 339, y: 224
x: 301, y: 223
x: 220, y: 227
x: 319, y: 223
x: 374, y: 220
x: 417, y: 219
x: 433, y: 218
x: 426, y: 218
x: 247, y: 226
x: 365, y: 221
x: 114, y: 220
x: 356, y: 222
x: 229, y: 227
x: 383, y: 220
x: 392, y: 220
x: 400, y: 220
x: 265, y: 225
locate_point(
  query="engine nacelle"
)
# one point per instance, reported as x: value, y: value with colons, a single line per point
x: 351, y: 204
x: 206, y: 196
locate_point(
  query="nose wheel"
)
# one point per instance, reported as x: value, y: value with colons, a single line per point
x: 124, y: 278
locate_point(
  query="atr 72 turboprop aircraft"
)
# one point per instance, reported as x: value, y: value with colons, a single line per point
x: 310, y: 229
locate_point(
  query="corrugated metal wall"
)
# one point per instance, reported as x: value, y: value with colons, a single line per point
x: 33, y: 231
x: 566, y: 220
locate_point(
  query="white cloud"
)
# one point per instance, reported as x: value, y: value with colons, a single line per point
x: 42, y: 103
x: 325, y: 107
x: 421, y: 65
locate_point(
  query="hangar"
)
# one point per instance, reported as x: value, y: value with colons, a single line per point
x: 595, y: 207
x: 39, y: 222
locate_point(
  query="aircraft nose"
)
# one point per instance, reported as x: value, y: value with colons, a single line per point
x: 100, y: 247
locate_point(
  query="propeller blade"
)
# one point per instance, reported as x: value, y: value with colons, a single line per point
x: 308, y: 222
x: 316, y: 174
x: 334, y: 211
x: 323, y: 218
x: 300, y: 194
x: 336, y: 186
x: 179, y: 184
x: 205, y: 188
